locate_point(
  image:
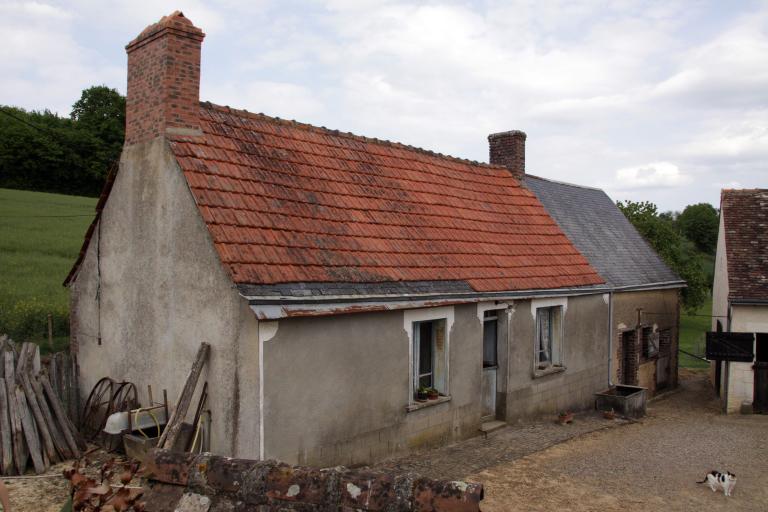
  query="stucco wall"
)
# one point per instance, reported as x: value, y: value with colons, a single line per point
x: 336, y: 388
x: 660, y: 308
x: 162, y: 291
x: 741, y: 375
x: 585, y: 358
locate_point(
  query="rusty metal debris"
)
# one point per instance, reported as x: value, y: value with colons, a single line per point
x: 106, y: 398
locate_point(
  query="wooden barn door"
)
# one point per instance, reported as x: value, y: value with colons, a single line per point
x: 760, y: 402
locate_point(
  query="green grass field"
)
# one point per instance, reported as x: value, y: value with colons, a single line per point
x: 692, y: 337
x: 40, y: 237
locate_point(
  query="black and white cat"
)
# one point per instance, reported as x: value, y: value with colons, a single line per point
x: 717, y: 480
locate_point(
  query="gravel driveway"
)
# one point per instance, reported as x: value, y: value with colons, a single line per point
x: 648, y: 466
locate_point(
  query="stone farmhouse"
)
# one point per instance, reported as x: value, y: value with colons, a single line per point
x: 335, y: 277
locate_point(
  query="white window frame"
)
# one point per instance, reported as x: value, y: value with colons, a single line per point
x: 557, y: 358
x: 411, y: 318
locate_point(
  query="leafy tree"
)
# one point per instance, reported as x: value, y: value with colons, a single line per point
x: 101, y: 111
x: 676, y: 251
x: 42, y: 151
x: 699, y: 223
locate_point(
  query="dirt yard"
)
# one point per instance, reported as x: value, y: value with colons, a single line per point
x: 647, y: 466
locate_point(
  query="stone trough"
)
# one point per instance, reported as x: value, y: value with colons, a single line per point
x: 627, y: 401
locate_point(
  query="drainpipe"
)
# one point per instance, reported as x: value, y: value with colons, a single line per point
x: 610, y: 338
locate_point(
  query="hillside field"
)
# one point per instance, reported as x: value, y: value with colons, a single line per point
x: 40, y: 237
x: 692, y: 334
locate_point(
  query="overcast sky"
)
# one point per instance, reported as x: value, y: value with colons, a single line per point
x: 661, y: 101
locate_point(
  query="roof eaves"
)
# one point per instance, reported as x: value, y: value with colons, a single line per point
x: 401, y: 297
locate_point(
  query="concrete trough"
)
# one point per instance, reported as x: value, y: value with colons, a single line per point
x: 628, y: 401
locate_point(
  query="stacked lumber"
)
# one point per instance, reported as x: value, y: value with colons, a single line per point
x: 62, y: 373
x: 34, y: 426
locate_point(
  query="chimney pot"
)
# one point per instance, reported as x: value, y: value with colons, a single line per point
x: 163, y: 80
x: 508, y: 149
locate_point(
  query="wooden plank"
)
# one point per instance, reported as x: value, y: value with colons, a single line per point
x: 53, y: 370
x: 70, y: 434
x: 20, y: 453
x: 3, y: 337
x: 56, y: 430
x: 37, y: 414
x: 173, y: 428
x: 21, y: 361
x: 9, y: 365
x: 30, y: 432
x: 34, y: 363
x: 72, y: 390
x: 6, y: 439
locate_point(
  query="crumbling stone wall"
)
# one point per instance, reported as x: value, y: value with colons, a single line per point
x: 208, y: 483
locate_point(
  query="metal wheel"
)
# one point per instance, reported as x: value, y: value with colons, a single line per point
x: 96, y: 410
x: 124, y: 398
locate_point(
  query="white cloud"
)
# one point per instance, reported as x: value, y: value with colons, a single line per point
x: 744, y: 138
x: 285, y: 100
x: 654, y: 174
x: 597, y: 87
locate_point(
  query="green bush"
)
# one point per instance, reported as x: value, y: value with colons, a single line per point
x: 27, y: 319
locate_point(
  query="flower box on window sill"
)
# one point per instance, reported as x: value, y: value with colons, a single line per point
x: 415, y: 406
x: 549, y: 370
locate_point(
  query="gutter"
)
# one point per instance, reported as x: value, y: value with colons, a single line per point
x: 392, y: 298
x: 666, y: 285
x: 746, y: 302
x: 284, y: 307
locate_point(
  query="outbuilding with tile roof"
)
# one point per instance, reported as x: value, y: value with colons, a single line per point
x: 740, y: 297
x: 644, y: 291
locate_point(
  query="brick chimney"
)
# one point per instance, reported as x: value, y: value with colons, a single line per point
x: 508, y: 149
x: 163, y: 80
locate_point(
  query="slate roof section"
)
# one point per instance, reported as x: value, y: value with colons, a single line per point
x: 602, y: 233
x: 745, y: 220
x: 291, y: 203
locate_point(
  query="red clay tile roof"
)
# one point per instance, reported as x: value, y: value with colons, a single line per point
x: 745, y: 219
x: 287, y: 202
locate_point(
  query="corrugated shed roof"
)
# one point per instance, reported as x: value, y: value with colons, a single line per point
x: 745, y: 220
x: 291, y: 203
x: 602, y: 233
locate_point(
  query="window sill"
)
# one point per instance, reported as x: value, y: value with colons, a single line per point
x: 548, y: 371
x: 416, y: 406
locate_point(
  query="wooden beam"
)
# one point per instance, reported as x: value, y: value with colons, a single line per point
x: 56, y: 430
x: 70, y: 434
x: 37, y: 413
x: 173, y: 428
x: 30, y: 432
x: 17, y: 436
x: 22, y: 360
x: 6, y: 436
x: 9, y: 366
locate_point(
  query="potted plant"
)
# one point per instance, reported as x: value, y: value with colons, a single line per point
x: 432, y: 394
x: 422, y: 394
x: 565, y: 417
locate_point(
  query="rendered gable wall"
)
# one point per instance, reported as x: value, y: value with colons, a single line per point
x: 156, y: 292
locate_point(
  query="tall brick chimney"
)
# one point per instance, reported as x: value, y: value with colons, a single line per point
x: 163, y: 80
x: 508, y: 149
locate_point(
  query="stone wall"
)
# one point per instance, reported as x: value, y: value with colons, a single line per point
x: 202, y: 483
